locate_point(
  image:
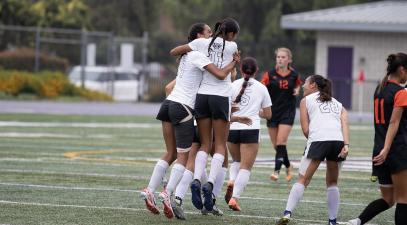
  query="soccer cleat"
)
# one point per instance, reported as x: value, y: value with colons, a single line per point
x: 285, y: 219
x: 207, y: 194
x: 354, y: 222
x: 196, y: 194
x: 215, y: 211
x: 274, y: 176
x: 176, y: 205
x: 149, y: 199
x: 289, y: 173
x: 234, y: 204
x: 332, y: 222
x: 229, y: 191
x: 165, y: 199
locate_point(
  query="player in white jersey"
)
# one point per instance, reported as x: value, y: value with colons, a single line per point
x: 324, y: 123
x: 253, y: 101
x: 176, y: 114
x: 212, y: 107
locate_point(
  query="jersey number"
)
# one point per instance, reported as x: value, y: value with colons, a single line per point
x: 379, y: 111
x: 283, y: 84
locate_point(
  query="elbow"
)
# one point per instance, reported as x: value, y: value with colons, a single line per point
x: 268, y: 116
x: 173, y: 52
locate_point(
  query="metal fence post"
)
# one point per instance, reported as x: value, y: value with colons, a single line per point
x: 37, y: 49
x: 143, y: 84
x: 83, y: 56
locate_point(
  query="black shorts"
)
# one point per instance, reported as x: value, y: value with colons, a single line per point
x: 212, y: 106
x: 181, y: 117
x: 286, y: 117
x: 397, y: 158
x: 383, y: 174
x: 244, y: 136
x: 321, y: 150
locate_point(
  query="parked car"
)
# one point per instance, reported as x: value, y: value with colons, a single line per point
x: 120, y: 83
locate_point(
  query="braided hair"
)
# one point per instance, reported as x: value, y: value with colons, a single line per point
x: 324, y: 87
x: 249, y: 68
x: 222, y: 29
x: 394, y: 61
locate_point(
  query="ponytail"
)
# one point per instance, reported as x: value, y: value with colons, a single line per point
x: 324, y: 87
x: 221, y: 29
x: 248, y: 68
x: 394, y: 61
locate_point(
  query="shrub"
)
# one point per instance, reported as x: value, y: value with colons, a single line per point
x: 46, y: 84
x: 24, y: 59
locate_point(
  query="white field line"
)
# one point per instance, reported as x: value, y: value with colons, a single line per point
x: 138, y: 209
x: 76, y: 174
x: 78, y: 125
x: 51, y: 135
x: 38, y: 186
x: 121, y: 125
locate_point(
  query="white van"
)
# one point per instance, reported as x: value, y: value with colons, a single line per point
x: 120, y: 83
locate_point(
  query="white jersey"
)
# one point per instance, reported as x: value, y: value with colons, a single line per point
x: 324, y: 119
x: 210, y: 84
x: 189, y: 77
x: 254, y: 98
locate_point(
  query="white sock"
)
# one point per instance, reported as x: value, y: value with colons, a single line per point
x: 204, y: 177
x: 295, y: 196
x: 216, y: 166
x: 240, y: 183
x: 158, y: 175
x: 176, y: 175
x: 333, y: 198
x: 200, y: 164
x: 234, y: 169
x: 220, y: 179
x: 183, y: 185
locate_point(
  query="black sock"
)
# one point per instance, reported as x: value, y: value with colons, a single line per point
x: 401, y: 214
x: 278, y: 159
x: 284, y: 154
x: 374, y: 208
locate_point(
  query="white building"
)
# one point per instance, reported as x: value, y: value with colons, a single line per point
x: 354, y: 38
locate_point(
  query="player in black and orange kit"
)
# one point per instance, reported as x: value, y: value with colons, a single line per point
x: 390, y: 143
x: 283, y: 84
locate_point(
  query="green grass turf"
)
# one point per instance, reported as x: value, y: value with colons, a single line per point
x: 38, y: 185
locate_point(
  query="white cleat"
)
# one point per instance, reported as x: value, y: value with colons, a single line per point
x: 354, y: 222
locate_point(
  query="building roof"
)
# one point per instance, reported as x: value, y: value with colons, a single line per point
x: 383, y: 16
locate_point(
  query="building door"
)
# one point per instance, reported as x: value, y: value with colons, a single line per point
x: 340, y: 72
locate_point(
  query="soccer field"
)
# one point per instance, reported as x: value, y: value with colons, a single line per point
x: 57, y: 169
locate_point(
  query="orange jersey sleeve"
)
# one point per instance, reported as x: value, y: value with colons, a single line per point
x: 400, y: 99
x: 265, y: 79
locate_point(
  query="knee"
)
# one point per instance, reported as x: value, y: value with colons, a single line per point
x: 170, y: 157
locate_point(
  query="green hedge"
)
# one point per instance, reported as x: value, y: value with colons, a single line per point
x: 46, y: 84
x: 24, y: 59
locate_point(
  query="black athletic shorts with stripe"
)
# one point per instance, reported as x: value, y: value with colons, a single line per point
x: 181, y: 117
